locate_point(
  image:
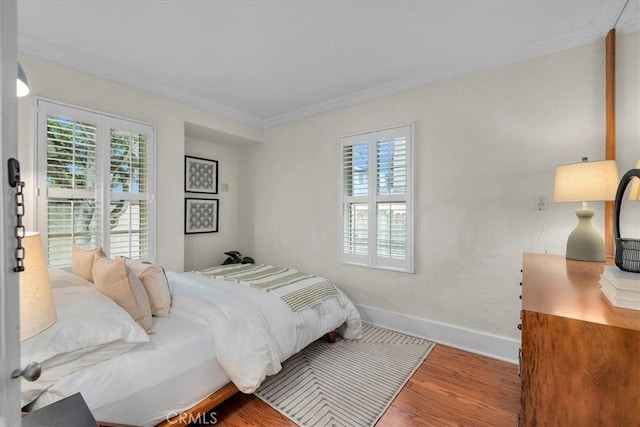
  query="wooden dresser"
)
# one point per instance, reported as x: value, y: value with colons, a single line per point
x: 580, y: 360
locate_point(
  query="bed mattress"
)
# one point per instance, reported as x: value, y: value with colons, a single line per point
x: 175, y: 370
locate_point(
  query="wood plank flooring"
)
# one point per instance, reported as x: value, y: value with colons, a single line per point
x: 451, y: 388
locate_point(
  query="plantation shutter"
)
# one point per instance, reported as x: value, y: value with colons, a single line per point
x: 70, y: 156
x: 376, y: 199
x: 95, y: 183
x: 392, y: 237
x: 130, y: 185
x: 355, y: 160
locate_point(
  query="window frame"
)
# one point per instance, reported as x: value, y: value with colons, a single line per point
x: 102, y: 193
x: 372, y: 199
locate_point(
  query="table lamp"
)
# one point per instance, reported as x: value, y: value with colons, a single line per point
x: 37, y: 310
x: 586, y: 182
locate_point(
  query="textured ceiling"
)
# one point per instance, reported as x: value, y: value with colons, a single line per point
x: 268, y: 62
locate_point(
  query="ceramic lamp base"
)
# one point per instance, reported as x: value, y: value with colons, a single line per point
x: 585, y: 243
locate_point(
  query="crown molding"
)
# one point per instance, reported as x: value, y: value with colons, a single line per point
x: 629, y: 27
x: 617, y: 9
x: 610, y: 13
x: 31, y: 47
x: 609, y: 16
x: 520, y: 53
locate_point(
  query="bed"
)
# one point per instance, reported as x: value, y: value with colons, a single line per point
x: 221, y: 335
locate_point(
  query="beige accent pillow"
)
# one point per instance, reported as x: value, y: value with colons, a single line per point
x: 113, y: 278
x: 82, y: 261
x: 155, y: 283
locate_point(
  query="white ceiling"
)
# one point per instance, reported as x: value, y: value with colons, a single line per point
x: 268, y: 62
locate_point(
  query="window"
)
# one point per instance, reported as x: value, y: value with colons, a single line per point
x: 375, y: 194
x: 95, y: 183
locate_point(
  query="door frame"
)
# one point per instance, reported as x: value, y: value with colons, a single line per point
x: 9, y: 285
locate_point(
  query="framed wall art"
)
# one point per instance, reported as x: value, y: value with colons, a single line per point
x: 200, y: 216
x: 200, y: 175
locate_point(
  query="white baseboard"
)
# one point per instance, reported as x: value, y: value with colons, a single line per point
x: 493, y: 346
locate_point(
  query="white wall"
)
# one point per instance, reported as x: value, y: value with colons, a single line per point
x: 206, y: 250
x: 486, y: 144
x: 57, y: 82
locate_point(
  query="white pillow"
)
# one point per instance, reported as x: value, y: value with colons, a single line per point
x: 90, y: 328
x: 63, y: 278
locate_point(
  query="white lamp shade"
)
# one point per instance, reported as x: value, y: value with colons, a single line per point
x: 634, y: 192
x: 586, y: 181
x: 37, y: 310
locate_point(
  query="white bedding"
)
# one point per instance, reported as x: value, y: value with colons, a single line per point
x: 175, y: 370
x: 258, y: 329
x: 217, y: 330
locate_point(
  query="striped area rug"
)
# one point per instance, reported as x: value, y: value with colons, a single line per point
x: 347, y: 383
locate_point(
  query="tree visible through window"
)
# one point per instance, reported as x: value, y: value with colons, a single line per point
x: 376, y: 199
x: 97, y: 172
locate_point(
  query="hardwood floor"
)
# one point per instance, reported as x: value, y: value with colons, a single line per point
x: 451, y: 388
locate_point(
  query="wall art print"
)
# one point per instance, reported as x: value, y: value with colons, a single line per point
x: 201, y: 216
x: 200, y: 175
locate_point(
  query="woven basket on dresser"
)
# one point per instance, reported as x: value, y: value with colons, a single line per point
x: 627, y: 250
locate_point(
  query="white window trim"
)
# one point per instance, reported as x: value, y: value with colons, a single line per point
x: 370, y: 260
x: 40, y: 212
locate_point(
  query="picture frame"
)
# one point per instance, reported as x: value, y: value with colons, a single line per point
x: 201, y: 215
x: 200, y: 175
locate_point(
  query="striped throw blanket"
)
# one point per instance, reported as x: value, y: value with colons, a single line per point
x: 299, y: 290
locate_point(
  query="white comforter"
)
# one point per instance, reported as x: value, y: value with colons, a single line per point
x: 253, y: 330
